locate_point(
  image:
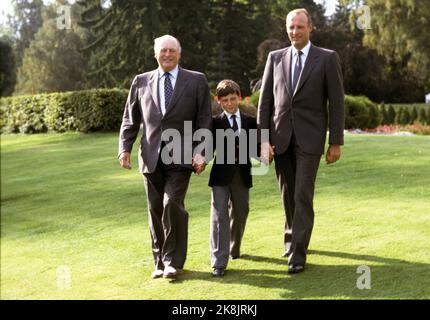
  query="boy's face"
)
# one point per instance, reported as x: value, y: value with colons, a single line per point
x: 230, y: 102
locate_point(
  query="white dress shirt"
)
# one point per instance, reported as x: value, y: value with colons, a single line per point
x: 161, y: 78
x: 230, y: 119
x: 294, y: 55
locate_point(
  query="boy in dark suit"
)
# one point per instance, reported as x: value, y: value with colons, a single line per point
x: 230, y: 178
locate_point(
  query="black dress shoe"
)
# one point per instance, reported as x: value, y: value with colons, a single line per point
x: 218, y: 272
x: 295, y: 269
x: 234, y: 257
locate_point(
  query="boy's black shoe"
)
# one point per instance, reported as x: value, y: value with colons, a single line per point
x: 218, y: 272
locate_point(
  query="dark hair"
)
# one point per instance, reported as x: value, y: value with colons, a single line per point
x: 226, y: 87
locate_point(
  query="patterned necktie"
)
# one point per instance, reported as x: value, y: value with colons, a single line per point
x: 297, y: 70
x: 235, y: 127
x: 168, y: 90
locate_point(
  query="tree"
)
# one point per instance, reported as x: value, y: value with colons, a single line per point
x: 399, y: 31
x: 121, y: 44
x: 25, y: 22
x: 7, y: 67
x: 240, y: 26
x: 53, y: 62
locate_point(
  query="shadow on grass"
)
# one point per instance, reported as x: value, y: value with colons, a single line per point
x: 390, y: 278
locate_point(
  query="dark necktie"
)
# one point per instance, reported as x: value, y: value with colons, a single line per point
x: 235, y: 127
x: 168, y: 90
x: 297, y: 69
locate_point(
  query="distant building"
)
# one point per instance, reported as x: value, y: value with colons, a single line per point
x: 428, y: 98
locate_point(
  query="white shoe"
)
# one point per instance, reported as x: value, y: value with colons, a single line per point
x: 157, y: 274
x: 169, y: 272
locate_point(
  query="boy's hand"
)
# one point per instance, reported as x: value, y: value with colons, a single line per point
x: 199, y: 163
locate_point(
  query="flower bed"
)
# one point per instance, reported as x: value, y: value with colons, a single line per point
x: 395, y: 129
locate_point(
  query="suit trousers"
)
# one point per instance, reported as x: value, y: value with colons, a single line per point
x: 296, y: 172
x: 229, y: 211
x: 166, y: 188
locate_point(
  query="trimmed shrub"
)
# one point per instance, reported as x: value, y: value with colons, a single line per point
x: 391, y: 115
x: 88, y: 110
x: 414, y: 115
x: 361, y: 113
x: 422, y: 118
x: 254, y: 98
x: 24, y: 114
x: 405, y: 116
x: 384, y: 114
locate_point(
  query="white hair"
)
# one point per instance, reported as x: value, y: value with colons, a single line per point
x: 158, y: 41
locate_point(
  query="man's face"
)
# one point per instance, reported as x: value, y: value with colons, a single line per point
x: 230, y: 102
x: 298, y: 29
x: 168, y: 55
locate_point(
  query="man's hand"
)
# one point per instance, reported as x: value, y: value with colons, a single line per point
x: 267, y: 153
x: 199, y: 163
x: 124, y: 160
x: 333, y: 153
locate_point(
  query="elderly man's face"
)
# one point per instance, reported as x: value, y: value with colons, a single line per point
x: 168, y: 55
x: 298, y: 29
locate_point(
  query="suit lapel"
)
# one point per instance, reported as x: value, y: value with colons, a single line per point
x: 309, y: 65
x: 180, y: 85
x: 244, y: 121
x: 225, y: 121
x: 153, y: 88
x: 286, y: 66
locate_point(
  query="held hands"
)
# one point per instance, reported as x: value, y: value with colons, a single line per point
x: 199, y: 163
x: 333, y: 153
x: 124, y: 160
x: 267, y: 153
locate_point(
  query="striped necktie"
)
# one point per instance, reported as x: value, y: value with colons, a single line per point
x: 168, y: 90
x: 297, y: 69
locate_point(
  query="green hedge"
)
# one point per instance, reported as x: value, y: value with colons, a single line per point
x: 85, y: 111
x: 101, y: 109
x: 361, y: 113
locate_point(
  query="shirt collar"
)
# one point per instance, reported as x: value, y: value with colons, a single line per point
x: 173, y: 73
x: 305, y: 50
x: 228, y: 114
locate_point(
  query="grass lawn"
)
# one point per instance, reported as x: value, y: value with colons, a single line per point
x: 67, y: 208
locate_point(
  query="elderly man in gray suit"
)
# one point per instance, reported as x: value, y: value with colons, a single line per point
x: 298, y: 82
x: 166, y: 99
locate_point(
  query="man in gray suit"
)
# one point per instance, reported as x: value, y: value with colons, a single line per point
x: 297, y: 83
x: 166, y: 100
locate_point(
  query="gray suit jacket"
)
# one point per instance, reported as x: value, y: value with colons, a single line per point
x: 190, y: 102
x: 306, y: 110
